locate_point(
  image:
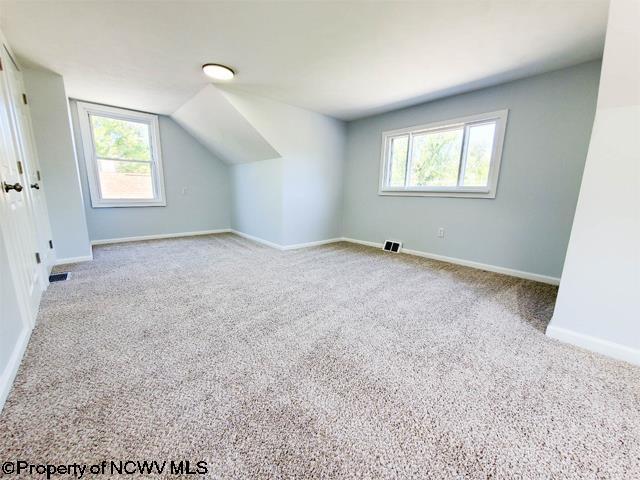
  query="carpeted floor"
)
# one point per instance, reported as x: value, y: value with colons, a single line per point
x: 338, y: 361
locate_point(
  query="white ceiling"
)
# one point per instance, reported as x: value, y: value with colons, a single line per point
x: 346, y: 59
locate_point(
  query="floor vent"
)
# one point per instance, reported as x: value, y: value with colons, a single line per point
x: 391, y: 246
x: 59, y: 277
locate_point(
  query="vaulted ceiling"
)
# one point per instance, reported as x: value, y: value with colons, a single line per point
x: 343, y: 59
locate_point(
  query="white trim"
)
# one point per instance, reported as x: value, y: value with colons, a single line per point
x: 84, y: 111
x: 67, y: 260
x: 317, y: 243
x: 11, y: 369
x: 605, y: 347
x: 467, y: 263
x: 258, y: 239
x: 293, y: 246
x: 500, y: 117
x: 485, y: 266
x: 108, y: 241
x: 363, y: 242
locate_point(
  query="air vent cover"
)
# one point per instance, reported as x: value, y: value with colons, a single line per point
x: 392, y: 246
x: 59, y: 277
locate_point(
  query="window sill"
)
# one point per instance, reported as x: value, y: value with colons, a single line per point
x: 122, y: 204
x: 439, y: 193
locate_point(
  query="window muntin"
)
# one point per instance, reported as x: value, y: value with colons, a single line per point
x: 455, y: 158
x: 122, y: 154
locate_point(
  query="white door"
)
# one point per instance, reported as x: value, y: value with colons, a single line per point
x: 16, y: 218
x: 34, y: 187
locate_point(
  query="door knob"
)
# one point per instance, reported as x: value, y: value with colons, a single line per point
x: 16, y: 186
x: 36, y: 186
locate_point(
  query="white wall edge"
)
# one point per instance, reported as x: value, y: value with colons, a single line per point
x: 159, y: 236
x: 11, y: 370
x: 67, y: 260
x: 605, y: 347
x: 467, y: 263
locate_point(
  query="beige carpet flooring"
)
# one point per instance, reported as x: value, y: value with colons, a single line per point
x: 338, y: 361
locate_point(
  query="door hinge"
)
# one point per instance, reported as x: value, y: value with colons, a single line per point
x: 24, y: 98
x: 50, y: 243
x: 38, y: 257
x: 20, y: 170
x: 38, y: 175
x: 1, y: 69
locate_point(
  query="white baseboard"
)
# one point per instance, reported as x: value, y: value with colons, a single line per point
x: 295, y: 246
x: 64, y: 261
x: 107, y: 241
x: 605, y: 347
x: 277, y: 246
x: 257, y: 239
x: 484, y: 266
x: 10, y: 371
x: 362, y: 242
x: 467, y: 263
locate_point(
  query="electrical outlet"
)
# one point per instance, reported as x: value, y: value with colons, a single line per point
x: 441, y: 232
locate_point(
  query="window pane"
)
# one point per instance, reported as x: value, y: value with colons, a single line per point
x: 435, y: 158
x: 125, y: 179
x: 399, y: 146
x: 479, y: 152
x: 124, y: 139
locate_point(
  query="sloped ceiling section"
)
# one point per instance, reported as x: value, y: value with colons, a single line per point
x: 217, y: 124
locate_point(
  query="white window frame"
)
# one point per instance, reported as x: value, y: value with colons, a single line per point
x: 500, y: 117
x: 157, y: 176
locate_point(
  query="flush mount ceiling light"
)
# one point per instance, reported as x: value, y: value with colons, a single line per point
x: 217, y: 71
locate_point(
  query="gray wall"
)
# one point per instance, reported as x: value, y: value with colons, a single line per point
x: 187, y: 164
x: 312, y: 185
x: 526, y: 227
x: 257, y: 199
x: 61, y: 182
x: 309, y: 186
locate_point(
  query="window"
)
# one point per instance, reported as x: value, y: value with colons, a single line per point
x: 456, y: 158
x: 122, y: 154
